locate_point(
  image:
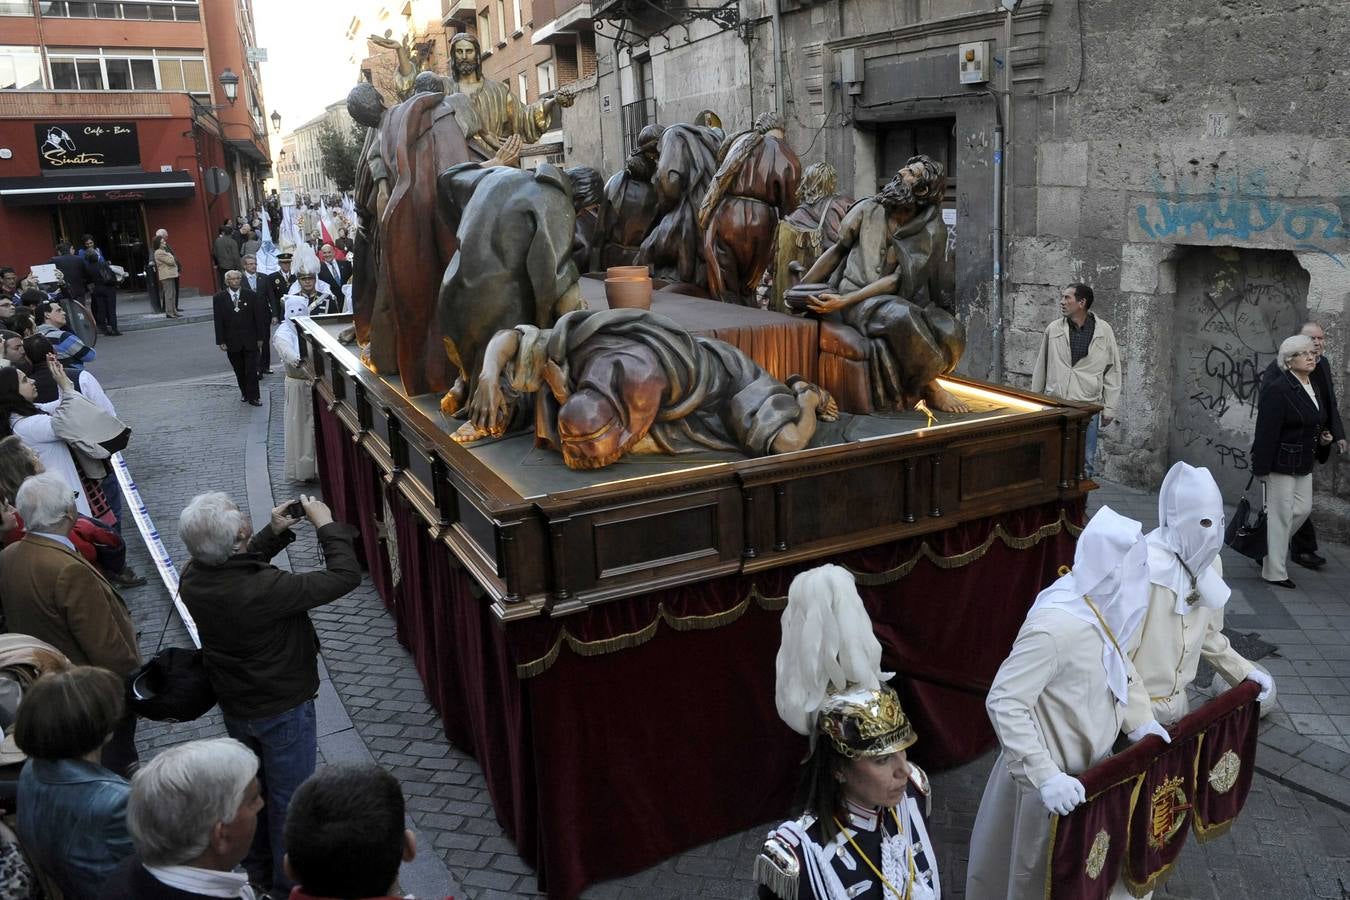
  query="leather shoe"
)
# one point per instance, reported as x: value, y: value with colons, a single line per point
x: 259, y: 403
x: 1287, y: 583
x: 127, y: 578
x: 1308, y: 560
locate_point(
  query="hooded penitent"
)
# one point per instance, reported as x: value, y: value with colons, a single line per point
x: 1107, y: 588
x: 1189, y: 536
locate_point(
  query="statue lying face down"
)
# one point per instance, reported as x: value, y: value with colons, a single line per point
x: 630, y: 381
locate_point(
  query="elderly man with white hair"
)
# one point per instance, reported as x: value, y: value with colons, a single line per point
x: 192, y: 815
x: 1291, y: 433
x: 259, y: 646
x: 54, y: 594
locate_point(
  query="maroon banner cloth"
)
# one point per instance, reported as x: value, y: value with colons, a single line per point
x: 1200, y: 779
x: 616, y: 737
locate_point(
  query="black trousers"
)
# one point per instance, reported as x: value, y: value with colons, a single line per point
x: 1305, y: 539
x: 104, y: 301
x: 245, y: 364
x: 265, y: 357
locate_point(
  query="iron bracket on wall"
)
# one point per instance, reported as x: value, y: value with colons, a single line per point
x: 619, y: 17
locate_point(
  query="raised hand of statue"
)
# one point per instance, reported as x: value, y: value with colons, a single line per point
x: 564, y: 98
x: 387, y: 43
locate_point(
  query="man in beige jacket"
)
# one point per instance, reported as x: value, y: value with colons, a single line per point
x: 1079, y: 360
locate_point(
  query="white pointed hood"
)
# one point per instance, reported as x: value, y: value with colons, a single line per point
x: 1182, y: 549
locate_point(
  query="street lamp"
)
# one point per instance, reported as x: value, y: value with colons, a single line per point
x: 229, y: 83
x: 276, y: 121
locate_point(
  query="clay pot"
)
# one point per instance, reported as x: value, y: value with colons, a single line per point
x: 626, y: 273
x: 628, y: 293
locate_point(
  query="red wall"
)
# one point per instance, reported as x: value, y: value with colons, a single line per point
x: 26, y: 232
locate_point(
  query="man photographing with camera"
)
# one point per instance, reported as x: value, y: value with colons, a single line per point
x: 259, y: 646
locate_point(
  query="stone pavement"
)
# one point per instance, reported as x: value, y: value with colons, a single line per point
x: 1293, y: 840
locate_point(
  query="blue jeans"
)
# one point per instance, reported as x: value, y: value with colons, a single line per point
x: 287, y: 747
x: 1090, y: 445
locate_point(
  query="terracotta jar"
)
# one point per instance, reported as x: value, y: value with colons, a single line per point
x: 628, y: 293
x: 626, y: 273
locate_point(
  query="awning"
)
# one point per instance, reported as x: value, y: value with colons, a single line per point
x: 96, y: 187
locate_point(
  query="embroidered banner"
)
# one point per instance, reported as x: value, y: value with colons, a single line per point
x: 1141, y: 802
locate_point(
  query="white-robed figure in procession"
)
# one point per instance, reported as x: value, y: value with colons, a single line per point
x: 299, y: 419
x: 1057, y: 704
x: 862, y: 835
x: 1187, y: 596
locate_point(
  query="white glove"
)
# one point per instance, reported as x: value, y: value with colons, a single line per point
x: 1267, y: 683
x: 1061, y: 793
x: 1149, y: 727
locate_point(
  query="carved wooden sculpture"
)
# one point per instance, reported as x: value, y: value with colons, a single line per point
x: 809, y: 230
x: 514, y: 260
x: 618, y: 381
x: 631, y: 203
x: 371, y: 309
x: 755, y: 186
x: 588, y: 199
x: 894, y: 285
x: 686, y: 164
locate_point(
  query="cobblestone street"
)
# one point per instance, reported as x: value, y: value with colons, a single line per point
x: 194, y: 435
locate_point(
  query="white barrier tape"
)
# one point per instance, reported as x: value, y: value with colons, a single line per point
x: 168, y: 573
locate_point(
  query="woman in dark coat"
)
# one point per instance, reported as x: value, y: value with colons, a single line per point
x: 1291, y: 432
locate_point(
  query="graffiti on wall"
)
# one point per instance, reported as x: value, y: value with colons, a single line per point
x: 1228, y: 210
x: 1234, y: 309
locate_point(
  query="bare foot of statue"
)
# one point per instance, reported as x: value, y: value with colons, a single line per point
x: 367, y: 361
x: 468, y: 433
x: 941, y: 399
x: 347, y: 335
x: 828, y: 410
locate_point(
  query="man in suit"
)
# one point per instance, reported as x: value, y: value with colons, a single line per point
x: 54, y: 594
x: 78, y: 273
x: 1303, y: 544
x: 239, y: 333
x: 335, y: 272
x: 256, y: 284
x: 279, y: 284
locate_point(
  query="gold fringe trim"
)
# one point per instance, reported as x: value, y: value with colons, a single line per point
x: 644, y: 634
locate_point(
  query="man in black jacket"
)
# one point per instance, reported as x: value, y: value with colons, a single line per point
x: 239, y: 333
x: 78, y: 273
x: 255, y: 283
x: 1303, y: 545
x: 278, y: 284
x: 259, y: 646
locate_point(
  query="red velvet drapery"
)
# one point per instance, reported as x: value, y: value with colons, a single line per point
x: 614, y: 738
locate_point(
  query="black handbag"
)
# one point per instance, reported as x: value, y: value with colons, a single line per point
x: 1245, y: 534
x: 172, y: 686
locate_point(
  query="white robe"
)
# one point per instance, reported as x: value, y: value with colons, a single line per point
x: 1053, y: 712
x: 299, y: 428
x: 1168, y: 651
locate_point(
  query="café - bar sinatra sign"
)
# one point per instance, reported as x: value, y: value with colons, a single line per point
x: 90, y: 145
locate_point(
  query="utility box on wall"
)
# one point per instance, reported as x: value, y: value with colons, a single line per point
x: 974, y: 58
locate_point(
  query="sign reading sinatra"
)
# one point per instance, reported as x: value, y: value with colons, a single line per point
x: 96, y: 145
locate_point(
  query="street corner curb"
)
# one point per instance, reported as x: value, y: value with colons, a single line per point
x: 146, y: 323
x: 1305, y: 765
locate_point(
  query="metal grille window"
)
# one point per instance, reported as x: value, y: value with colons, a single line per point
x: 126, y: 70
x: 20, y: 69
x: 141, y: 10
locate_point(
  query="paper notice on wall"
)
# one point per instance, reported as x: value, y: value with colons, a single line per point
x: 949, y: 218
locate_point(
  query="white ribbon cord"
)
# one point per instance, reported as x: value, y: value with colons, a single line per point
x: 168, y: 573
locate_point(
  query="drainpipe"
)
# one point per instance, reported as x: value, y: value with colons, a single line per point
x: 777, y: 16
x: 997, y: 236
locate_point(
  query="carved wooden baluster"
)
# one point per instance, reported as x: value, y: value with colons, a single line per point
x: 748, y: 522
x: 558, y: 542
x: 780, y: 516
x: 911, y: 488
x: 1065, y: 455
x: 935, y: 489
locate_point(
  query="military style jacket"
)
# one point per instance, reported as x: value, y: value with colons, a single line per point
x: 795, y: 865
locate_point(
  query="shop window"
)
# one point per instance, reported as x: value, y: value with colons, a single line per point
x: 20, y: 69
